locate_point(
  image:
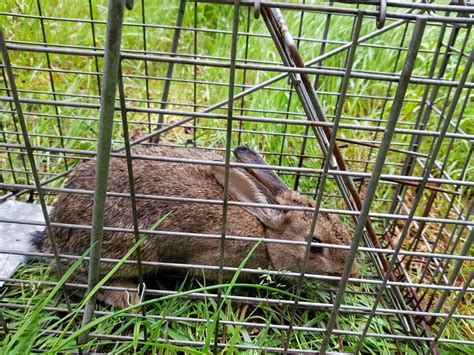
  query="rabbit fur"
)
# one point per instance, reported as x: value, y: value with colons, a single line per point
x: 198, y: 181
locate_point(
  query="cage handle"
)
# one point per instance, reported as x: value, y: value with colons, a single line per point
x: 382, y: 9
x: 256, y: 8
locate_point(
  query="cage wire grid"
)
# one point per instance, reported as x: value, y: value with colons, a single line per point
x: 400, y: 172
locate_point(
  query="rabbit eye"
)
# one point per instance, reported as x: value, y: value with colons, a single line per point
x: 315, y: 249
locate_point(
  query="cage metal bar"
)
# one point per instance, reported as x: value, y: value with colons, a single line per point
x: 288, y: 106
x: 94, y: 42
x: 388, y: 180
x: 51, y: 79
x: 361, y: 143
x: 169, y: 70
x: 39, y: 45
x: 195, y: 71
x: 205, y: 114
x: 31, y: 188
x: 4, y: 136
x: 455, y: 271
x: 109, y: 87
x: 369, y: 13
x: 145, y: 62
x: 381, y: 156
x: 304, y: 304
x: 278, y: 77
x: 244, y: 76
x: 428, y: 8
x: 190, y: 319
x: 388, y: 251
x: 397, y: 4
x: 327, y: 162
x: 147, y: 25
x: 419, y: 194
x: 248, y: 118
x: 225, y: 195
x: 31, y: 159
x: 389, y: 88
x: 133, y: 198
x: 442, y: 168
x: 315, y: 86
x: 195, y: 105
x: 453, y: 308
x: 237, y: 298
x: 15, y: 125
x: 276, y: 112
x: 315, y: 112
x: 388, y: 177
x: 456, y: 135
x: 424, y: 114
x: 245, y: 346
x: 442, y: 269
x: 264, y: 67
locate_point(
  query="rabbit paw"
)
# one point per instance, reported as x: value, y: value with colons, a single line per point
x: 120, y: 298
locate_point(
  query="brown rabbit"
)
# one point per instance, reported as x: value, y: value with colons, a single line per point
x: 196, y: 181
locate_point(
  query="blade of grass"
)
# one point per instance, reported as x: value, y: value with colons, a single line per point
x: 164, y: 346
x: 226, y: 295
x: 23, y: 339
x: 104, y: 318
x: 164, y: 313
x: 108, y: 276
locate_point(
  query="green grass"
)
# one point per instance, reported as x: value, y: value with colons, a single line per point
x: 80, y: 127
x: 178, y: 306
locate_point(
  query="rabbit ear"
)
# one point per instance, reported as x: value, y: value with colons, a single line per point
x: 267, y: 177
x: 245, y: 188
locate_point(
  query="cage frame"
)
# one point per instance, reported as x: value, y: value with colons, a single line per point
x: 267, y: 10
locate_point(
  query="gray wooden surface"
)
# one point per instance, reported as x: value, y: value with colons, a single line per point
x: 15, y: 236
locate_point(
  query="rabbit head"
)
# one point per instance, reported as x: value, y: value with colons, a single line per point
x: 263, y: 186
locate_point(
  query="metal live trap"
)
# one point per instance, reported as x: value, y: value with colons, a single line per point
x: 364, y: 106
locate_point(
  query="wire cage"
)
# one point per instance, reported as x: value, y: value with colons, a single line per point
x: 363, y: 106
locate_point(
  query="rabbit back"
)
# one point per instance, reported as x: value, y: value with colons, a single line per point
x: 157, y: 178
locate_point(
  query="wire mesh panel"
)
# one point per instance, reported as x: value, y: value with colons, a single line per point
x: 233, y: 176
